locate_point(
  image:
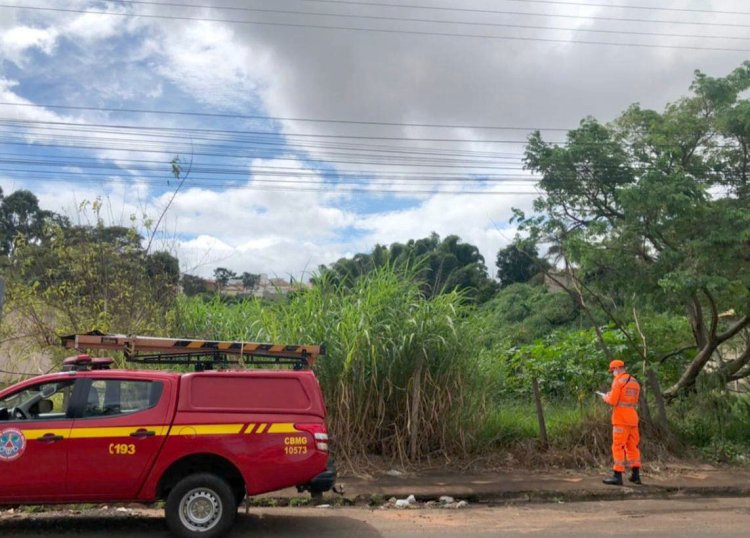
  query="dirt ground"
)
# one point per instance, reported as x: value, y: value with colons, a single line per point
x: 693, y: 517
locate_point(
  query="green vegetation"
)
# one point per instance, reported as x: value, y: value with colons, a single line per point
x: 439, y: 266
x: 399, y: 377
x: 62, y: 279
x: 645, y: 224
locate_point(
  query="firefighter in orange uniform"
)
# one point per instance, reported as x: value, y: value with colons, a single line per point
x: 623, y: 397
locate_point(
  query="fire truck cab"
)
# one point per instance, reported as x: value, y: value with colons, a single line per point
x: 201, y: 440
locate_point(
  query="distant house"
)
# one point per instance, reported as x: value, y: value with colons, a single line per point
x: 266, y: 288
x: 558, y: 282
x: 272, y: 288
x: 234, y: 287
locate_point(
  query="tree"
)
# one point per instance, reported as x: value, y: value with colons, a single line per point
x: 222, y: 275
x: 439, y: 265
x: 653, y: 212
x: 518, y: 262
x: 521, y: 313
x: 163, y: 266
x: 20, y: 215
x: 250, y: 280
x: 194, y: 285
x: 91, y: 277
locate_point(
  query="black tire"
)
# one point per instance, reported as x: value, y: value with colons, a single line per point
x: 239, y: 496
x: 201, y: 505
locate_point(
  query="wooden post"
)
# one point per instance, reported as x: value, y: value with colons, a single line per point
x: 416, y: 395
x: 540, y: 414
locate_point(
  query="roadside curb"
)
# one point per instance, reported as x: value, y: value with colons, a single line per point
x: 616, y: 494
x: 646, y: 491
x: 517, y: 486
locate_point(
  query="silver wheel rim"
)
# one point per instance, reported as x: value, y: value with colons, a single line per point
x: 200, y: 509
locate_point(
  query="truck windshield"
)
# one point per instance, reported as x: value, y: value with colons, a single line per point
x: 42, y: 401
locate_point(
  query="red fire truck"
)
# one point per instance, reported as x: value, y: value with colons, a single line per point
x: 201, y: 440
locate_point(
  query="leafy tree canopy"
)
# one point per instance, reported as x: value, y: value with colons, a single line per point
x: 222, y: 275
x: 20, y: 215
x: 79, y: 278
x: 519, y: 262
x: 654, y: 209
x: 250, y: 280
x: 521, y: 313
x: 194, y: 285
x: 443, y: 265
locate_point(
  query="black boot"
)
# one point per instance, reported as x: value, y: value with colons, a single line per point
x: 614, y: 480
x: 635, y: 475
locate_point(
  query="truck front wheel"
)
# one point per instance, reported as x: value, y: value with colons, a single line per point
x: 202, y: 505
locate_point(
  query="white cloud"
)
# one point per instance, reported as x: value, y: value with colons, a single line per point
x: 208, y: 61
x: 360, y: 76
x: 17, y: 41
x: 477, y: 219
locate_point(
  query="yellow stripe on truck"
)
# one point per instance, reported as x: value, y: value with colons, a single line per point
x: 36, y: 434
x: 123, y: 431
x: 177, y: 430
x: 282, y: 427
x: 206, y: 429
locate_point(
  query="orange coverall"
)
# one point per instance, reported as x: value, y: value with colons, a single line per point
x: 623, y: 397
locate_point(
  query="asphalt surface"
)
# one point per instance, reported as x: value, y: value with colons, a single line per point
x: 688, y: 517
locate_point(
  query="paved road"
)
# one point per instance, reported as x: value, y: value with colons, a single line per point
x: 684, y: 518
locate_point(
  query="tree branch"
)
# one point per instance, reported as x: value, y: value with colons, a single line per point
x: 676, y: 352
x: 732, y: 331
x: 714, y: 314
x: 178, y: 174
x: 695, y: 314
x: 731, y: 368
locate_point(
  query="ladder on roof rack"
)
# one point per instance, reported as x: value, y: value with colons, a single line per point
x: 202, y: 354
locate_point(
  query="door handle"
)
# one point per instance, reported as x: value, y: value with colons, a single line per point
x: 50, y: 438
x: 142, y: 433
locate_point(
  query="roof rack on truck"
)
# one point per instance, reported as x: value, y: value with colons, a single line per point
x: 202, y: 354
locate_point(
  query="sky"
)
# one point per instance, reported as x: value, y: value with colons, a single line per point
x: 310, y: 130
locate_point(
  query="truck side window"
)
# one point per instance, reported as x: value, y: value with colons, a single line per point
x: 46, y: 401
x: 115, y: 397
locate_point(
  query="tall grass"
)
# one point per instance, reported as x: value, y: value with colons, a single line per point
x: 400, y: 376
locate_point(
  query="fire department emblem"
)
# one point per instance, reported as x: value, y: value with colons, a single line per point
x: 12, y: 445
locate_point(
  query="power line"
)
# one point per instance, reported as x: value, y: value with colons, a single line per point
x: 279, y: 134
x: 185, y: 138
x: 625, y: 6
x: 211, y: 178
x: 142, y: 173
x: 501, y: 12
x: 382, y: 30
x: 386, y: 163
x: 282, y: 140
x: 280, y: 118
x: 297, y: 186
x: 24, y: 159
x: 429, y: 21
x: 242, y: 151
x: 260, y: 144
x: 71, y: 160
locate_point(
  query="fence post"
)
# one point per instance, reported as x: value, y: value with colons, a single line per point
x: 540, y: 414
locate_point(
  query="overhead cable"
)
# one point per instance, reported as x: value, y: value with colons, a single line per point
x: 430, y: 21
x: 383, y: 30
